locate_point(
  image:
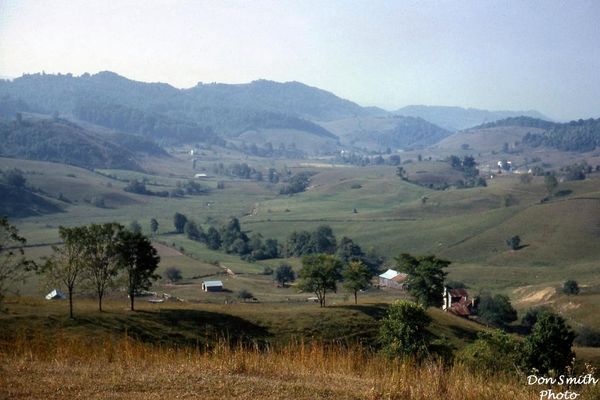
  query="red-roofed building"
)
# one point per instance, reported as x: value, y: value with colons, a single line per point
x: 458, y: 302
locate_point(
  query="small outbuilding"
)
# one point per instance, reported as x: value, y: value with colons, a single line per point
x: 393, y: 279
x: 458, y: 302
x: 212, y: 286
x: 55, y: 295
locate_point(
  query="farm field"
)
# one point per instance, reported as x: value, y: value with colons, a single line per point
x: 468, y: 226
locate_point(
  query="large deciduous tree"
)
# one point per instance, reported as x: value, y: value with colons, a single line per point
x: 319, y: 274
x: 284, y: 274
x: 67, y: 265
x: 139, y: 260
x: 14, y: 267
x: 356, y: 277
x: 425, y: 277
x: 102, y: 256
x: 179, y: 221
x: 548, y: 347
x: 403, y: 331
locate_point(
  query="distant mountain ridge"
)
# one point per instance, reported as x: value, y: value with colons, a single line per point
x: 227, y: 110
x: 261, y: 110
x: 458, y: 118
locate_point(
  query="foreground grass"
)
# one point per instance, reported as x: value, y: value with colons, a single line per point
x: 60, y: 366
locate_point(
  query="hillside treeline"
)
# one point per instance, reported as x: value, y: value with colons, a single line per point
x: 581, y: 135
x: 64, y: 142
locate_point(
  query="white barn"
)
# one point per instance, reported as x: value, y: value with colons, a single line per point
x: 212, y: 286
x: 393, y: 279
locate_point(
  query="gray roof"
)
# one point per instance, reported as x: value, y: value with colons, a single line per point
x: 212, y: 283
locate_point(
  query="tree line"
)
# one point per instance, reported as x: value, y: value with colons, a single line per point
x: 96, y: 255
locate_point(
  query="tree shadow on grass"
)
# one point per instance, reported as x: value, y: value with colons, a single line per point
x: 182, y: 327
x: 376, y: 311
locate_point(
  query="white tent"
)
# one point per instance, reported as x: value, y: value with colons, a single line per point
x: 56, y: 295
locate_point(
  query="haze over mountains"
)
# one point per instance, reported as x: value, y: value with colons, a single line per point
x: 290, y: 116
x: 457, y: 118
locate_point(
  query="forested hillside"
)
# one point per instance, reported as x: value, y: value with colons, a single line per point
x: 62, y: 141
x: 581, y: 135
x: 198, y: 114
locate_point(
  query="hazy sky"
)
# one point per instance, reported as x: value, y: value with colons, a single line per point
x: 542, y: 55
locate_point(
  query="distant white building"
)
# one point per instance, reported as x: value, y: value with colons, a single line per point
x: 201, y: 176
x: 393, y: 279
x: 212, y: 286
x: 56, y: 295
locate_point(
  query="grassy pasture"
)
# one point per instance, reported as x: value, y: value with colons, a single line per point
x: 468, y: 226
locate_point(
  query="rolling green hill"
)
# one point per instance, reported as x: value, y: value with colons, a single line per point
x: 62, y: 141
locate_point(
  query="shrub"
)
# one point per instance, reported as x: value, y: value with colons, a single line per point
x: 514, y: 242
x: 496, y: 310
x: 492, y: 351
x: 173, y: 274
x: 403, y: 331
x: 244, y: 295
x: 548, y: 347
x: 571, y: 287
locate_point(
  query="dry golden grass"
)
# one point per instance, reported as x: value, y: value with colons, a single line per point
x: 67, y: 367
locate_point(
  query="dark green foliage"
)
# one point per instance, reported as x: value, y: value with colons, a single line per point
x: 193, y: 231
x: 296, y: 184
x: 213, y: 238
x: 407, y: 132
x: 66, y: 266
x: 173, y: 274
x: 571, y: 287
x: 514, y: 242
x: 233, y: 239
x: 179, y: 221
x: 154, y: 226
x: 320, y: 274
x: 321, y: 240
x: 263, y: 249
x: 548, y: 347
x: 244, y: 295
x: 401, y: 172
x: 521, y: 121
x: 531, y: 317
x: 101, y: 243
x: 468, y: 167
x: 13, y: 264
x: 357, y: 276
x: 425, y: 277
x: 492, y: 352
x: 576, y: 172
x: 194, y: 188
x: 67, y: 143
x: 551, y: 183
x: 139, y: 260
x: 284, y: 274
x: 403, y: 331
x: 348, y: 250
x: 495, y: 310
x: 132, y: 120
x: 135, y: 186
x: 581, y: 135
